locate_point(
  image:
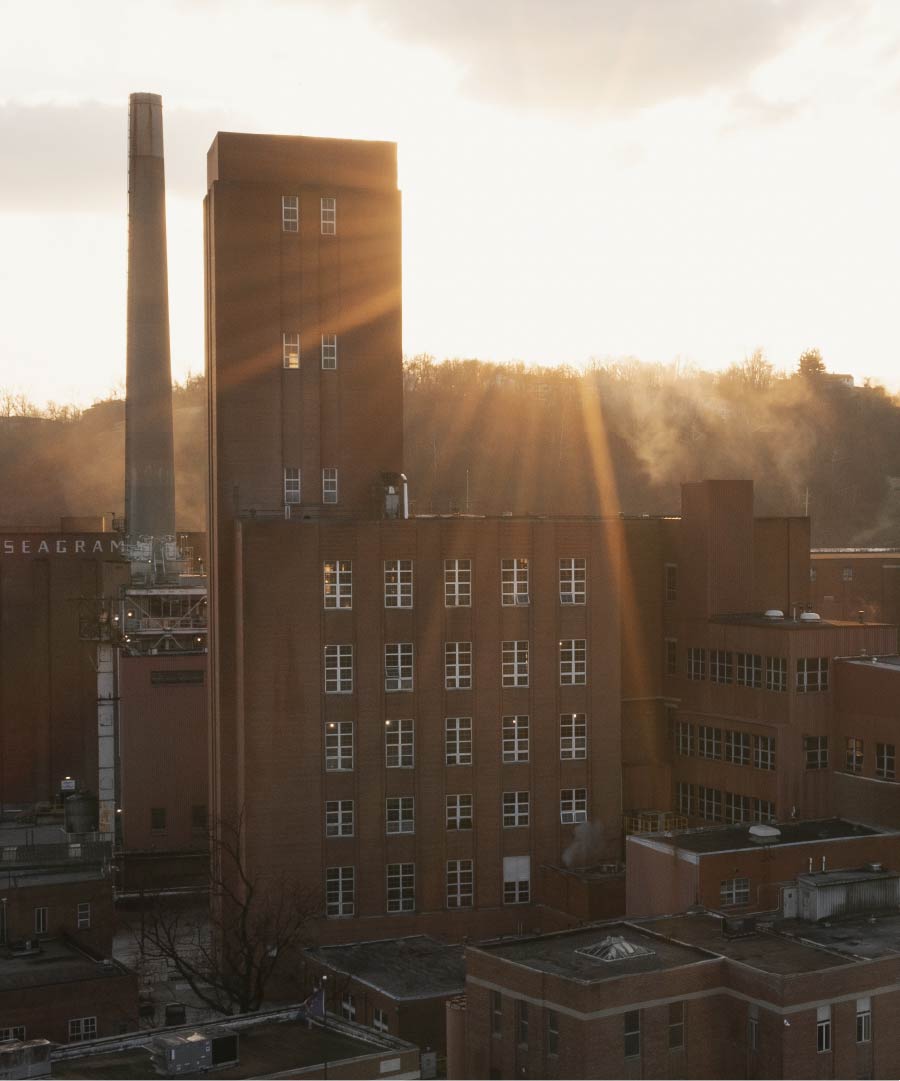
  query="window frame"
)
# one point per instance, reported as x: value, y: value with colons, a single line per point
x: 514, y: 662
x: 572, y: 806
x: 337, y: 905
x: 328, y: 215
x: 454, y: 734
x: 83, y: 915
x: 400, y: 658
x: 573, y: 662
x: 459, y: 815
x: 515, y: 582
x: 460, y: 883
x: 400, y: 885
x: 515, y: 809
x: 339, y: 818
x: 290, y: 350
x: 83, y: 1028
x: 734, y: 891
x: 290, y: 213
x: 329, y: 352
x: 457, y: 583
x: 330, y: 486
x: 292, y: 491
x: 338, y: 734
x: 458, y: 666
x: 398, y: 583
x: 339, y: 668
x: 337, y: 584
x: 400, y: 743
x: 572, y: 737
x: 515, y: 737
x: 572, y: 580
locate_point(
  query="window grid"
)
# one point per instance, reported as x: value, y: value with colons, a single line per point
x: 572, y: 736
x: 458, y: 741
x: 734, y: 891
x: 290, y: 349
x: 380, y: 1020
x: 764, y: 752
x: 398, y: 666
x: 696, y: 663
x: 863, y: 1020
x: 514, y: 738
x: 515, y: 664
x: 737, y: 808
x: 709, y: 803
x: 514, y: 581
x: 572, y: 580
x: 291, y: 486
x: 855, y: 754
x: 812, y: 674
x: 572, y: 805
x: 823, y: 1029
x: 748, y: 670
x: 290, y: 213
x: 885, y: 759
x: 516, y: 880
x: 457, y: 583
x: 398, y: 583
x: 337, y: 575
x: 459, y: 812
x: 329, y: 352
x: 339, y: 818
x: 632, y: 1033
x: 552, y: 1033
x: 720, y: 666
x: 460, y: 883
x: 400, y: 814
x: 348, y: 1006
x: 339, y: 669
x: 401, y: 887
x: 329, y: 215
x: 573, y: 662
x: 329, y: 484
x: 671, y: 656
x: 457, y: 666
x: 684, y: 736
x: 83, y: 915
x: 339, y: 745
x: 340, y: 891
x: 737, y: 748
x: 671, y: 591
x: 516, y: 806
x: 776, y: 673
x: 815, y: 749
x: 763, y: 810
x: 82, y: 1028
x: 709, y: 741
x: 399, y: 744
x: 12, y: 1032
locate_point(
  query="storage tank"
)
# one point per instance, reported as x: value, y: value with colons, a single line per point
x: 81, y: 813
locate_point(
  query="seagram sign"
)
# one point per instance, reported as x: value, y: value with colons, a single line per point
x: 62, y: 544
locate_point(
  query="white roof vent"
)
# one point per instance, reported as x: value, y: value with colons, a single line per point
x: 764, y: 835
x: 614, y: 948
x: 774, y: 613
x: 810, y: 617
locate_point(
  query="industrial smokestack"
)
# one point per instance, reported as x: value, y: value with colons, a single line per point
x: 149, y: 455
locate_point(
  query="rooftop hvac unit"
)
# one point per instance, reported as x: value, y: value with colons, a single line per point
x: 185, y: 1054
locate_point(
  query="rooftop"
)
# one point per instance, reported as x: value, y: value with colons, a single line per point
x: 890, y: 662
x: 404, y: 968
x: 759, y: 619
x: 55, y: 962
x: 731, y: 838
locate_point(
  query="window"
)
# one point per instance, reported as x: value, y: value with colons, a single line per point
x: 854, y: 754
x: 329, y: 215
x: 457, y: 666
x: 459, y: 812
x: 812, y: 674
x: 632, y: 1032
x: 290, y: 350
x: 735, y: 891
x: 516, y: 880
x: 671, y: 646
x: 379, y: 1020
x: 399, y: 744
x: 157, y: 819
x: 737, y: 748
x: 40, y: 920
x: 720, y: 666
x: 753, y: 1029
x: 521, y: 1022
x: 572, y: 579
x: 863, y: 1020
x: 776, y: 673
x: 400, y: 814
x: 676, y: 1025
x: 339, y: 818
x: 684, y: 735
x: 329, y: 352
x: 749, y: 670
x: 884, y: 760
x: 737, y: 808
x: 82, y: 1028
x: 460, y: 882
x: 398, y: 583
x: 337, y: 575
x: 348, y: 1006
x: 709, y: 803
x: 290, y: 213
x: 515, y: 809
x: 340, y: 891
x: 763, y: 810
x: 671, y: 582
x: 457, y: 583
x: 572, y: 661
x: 514, y: 581
x: 199, y: 817
x: 329, y: 485
x: 401, y: 887
x: 14, y: 1032
x: 812, y: 574
x: 514, y: 738
x: 572, y: 735
x: 573, y: 805
x: 83, y: 915
x: 496, y: 1013
x: 339, y: 669
x: 339, y: 745
x: 458, y: 741
x: 696, y: 663
x: 823, y: 1029
x: 764, y: 752
x: 291, y: 486
x: 709, y: 741
x: 515, y: 664
x: 75, y: 851
x: 398, y: 666
x: 847, y: 574
x: 815, y: 749
x: 552, y: 1040
x: 685, y: 798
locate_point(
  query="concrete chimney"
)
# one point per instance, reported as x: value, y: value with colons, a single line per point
x: 149, y: 455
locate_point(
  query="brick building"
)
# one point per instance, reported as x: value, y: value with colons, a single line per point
x: 845, y: 582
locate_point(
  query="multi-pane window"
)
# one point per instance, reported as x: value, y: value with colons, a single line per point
x: 291, y: 485
x: 734, y: 891
x: 815, y: 749
x: 340, y: 891
x: 776, y: 673
x: 12, y: 1032
x: 400, y: 814
x: 552, y: 1039
x: 632, y: 1033
x: 737, y: 808
x: 398, y: 583
x: 399, y: 744
x: 82, y: 1028
x: 515, y: 664
x: 737, y: 748
x: 457, y: 666
x: 496, y: 1013
x: 339, y: 818
x: 401, y: 887
x: 763, y: 810
x: 572, y: 805
x: 812, y: 674
x: 515, y: 809
x: 671, y: 648
x: 572, y: 661
x: 290, y: 213
x: 40, y: 920
x: 812, y: 574
x: 330, y: 484
x: 458, y: 741
x: 339, y: 669
x: 516, y: 880
x: 290, y: 349
x: 329, y: 215
x: 83, y: 915
x: 764, y: 752
x: 459, y: 812
x: 348, y: 1006
x: 696, y: 663
x: 847, y: 574
x: 457, y: 583
x: 823, y: 1029
x: 572, y: 580
x: 329, y: 351
x: 514, y: 734
x: 398, y: 666
x: 885, y: 757
x: 339, y: 745
x: 572, y: 735
x: 684, y: 791
x: 709, y: 803
x: 855, y: 754
x: 863, y: 1020
x: 748, y: 670
x: 676, y: 1025
x: 684, y: 735
x: 709, y: 741
x: 337, y: 577
x: 380, y: 1020
x: 720, y: 666
x: 521, y: 1022
x: 671, y: 592
x: 514, y: 581
x: 460, y: 882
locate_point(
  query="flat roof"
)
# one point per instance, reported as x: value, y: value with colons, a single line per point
x: 864, y: 938
x: 414, y: 967
x: 758, y: 619
x: 891, y: 663
x: 55, y: 962
x: 709, y: 839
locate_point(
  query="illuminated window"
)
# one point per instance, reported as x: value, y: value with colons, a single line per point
x: 290, y: 213
x: 329, y: 216
x: 855, y: 754
x: 290, y: 350
x: 337, y: 577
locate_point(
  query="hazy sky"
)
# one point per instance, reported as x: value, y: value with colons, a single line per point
x: 581, y: 178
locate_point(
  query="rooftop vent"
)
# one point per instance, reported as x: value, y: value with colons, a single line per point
x: 810, y: 617
x: 765, y: 835
x: 614, y: 948
x: 774, y: 613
